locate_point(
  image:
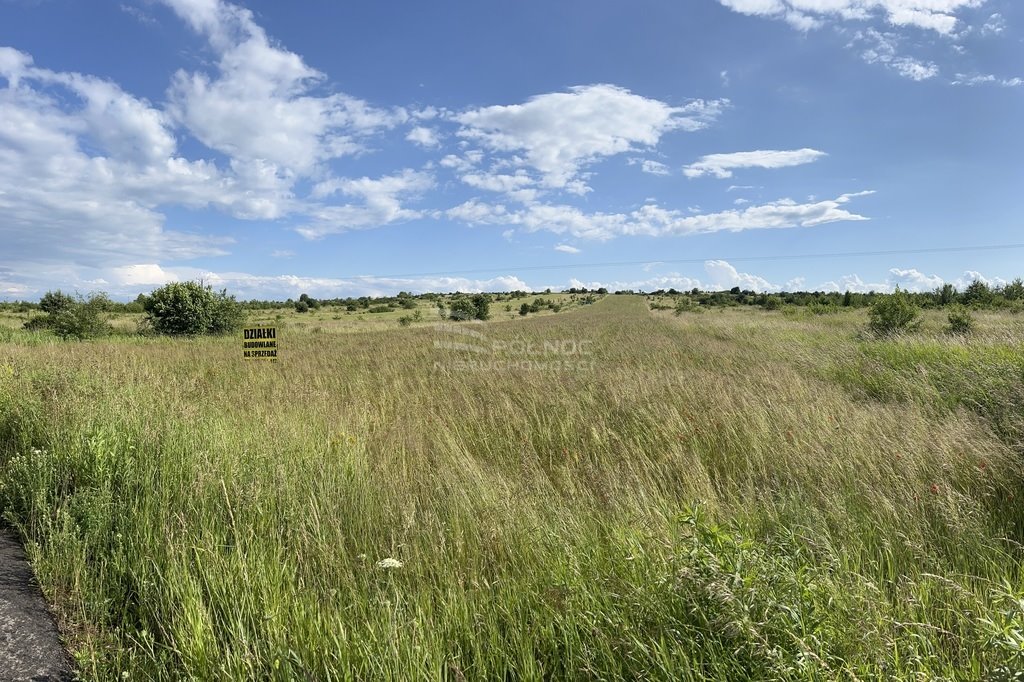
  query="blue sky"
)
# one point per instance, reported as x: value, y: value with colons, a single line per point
x: 365, y: 148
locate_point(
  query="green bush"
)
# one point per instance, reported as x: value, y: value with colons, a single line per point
x: 893, y: 314
x: 54, y: 302
x: 961, y: 323
x: 686, y: 305
x: 191, y: 308
x: 476, y: 307
x: 83, y: 319
x: 301, y: 307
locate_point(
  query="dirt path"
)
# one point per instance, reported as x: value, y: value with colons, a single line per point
x: 30, y: 647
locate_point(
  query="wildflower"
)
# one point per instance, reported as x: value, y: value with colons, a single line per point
x: 389, y: 563
x: 935, y: 488
x: 982, y: 465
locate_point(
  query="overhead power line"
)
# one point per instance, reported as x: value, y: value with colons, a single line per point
x: 681, y: 261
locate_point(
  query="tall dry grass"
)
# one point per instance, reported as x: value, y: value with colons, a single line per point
x: 723, y: 496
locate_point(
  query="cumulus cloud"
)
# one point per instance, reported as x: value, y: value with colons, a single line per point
x: 84, y: 167
x: 262, y: 103
x: 721, y: 275
x: 424, y: 137
x: 722, y: 165
x: 380, y: 202
x: 882, y: 48
x: 558, y: 133
x: 907, y: 279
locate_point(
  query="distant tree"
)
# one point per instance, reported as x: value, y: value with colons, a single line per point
x: 482, y: 306
x: 1014, y: 291
x: 847, y: 299
x: 945, y: 294
x: 977, y: 293
x: 192, y: 308
x: 301, y: 306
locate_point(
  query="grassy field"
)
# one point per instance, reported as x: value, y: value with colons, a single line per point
x: 608, y: 492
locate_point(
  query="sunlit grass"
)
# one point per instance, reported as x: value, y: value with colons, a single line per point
x: 734, y: 495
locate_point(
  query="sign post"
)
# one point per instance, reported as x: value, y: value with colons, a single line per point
x: 259, y: 343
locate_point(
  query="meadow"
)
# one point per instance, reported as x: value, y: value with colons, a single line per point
x: 609, y: 492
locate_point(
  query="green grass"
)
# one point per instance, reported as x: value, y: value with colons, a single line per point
x: 734, y: 495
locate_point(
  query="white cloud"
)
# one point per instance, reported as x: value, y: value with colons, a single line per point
x: 84, y: 167
x: 908, y: 280
x: 882, y: 48
x: 280, y: 287
x: 721, y: 276
x: 987, y: 79
x: 652, y: 220
x: 649, y: 166
x: 424, y: 137
x: 262, y: 103
x: 149, y: 274
x: 722, y: 165
x: 558, y: 133
x: 566, y: 248
x: 724, y: 276
x: 932, y: 15
x: 381, y: 202
x: 995, y: 25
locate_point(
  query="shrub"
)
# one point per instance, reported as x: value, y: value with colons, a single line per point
x: 462, y: 308
x: 961, y: 323
x: 301, y: 306
x: 524, y: 309
x: 83, y: 319
x: 686, y: 305
x: 191, y: 308
x: 893, y: 314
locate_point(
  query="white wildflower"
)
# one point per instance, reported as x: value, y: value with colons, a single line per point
x: 389, y: 563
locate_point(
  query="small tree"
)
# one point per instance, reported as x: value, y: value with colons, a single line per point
x: 977, y: 293
x: 1014, y: 291
x: 893, y: 314
x: 191, y: 308
x: 301, y: 306
x: 946, y: 293
x: 482, y: 306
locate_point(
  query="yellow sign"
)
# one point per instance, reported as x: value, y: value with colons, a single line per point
x: 259, y: 343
